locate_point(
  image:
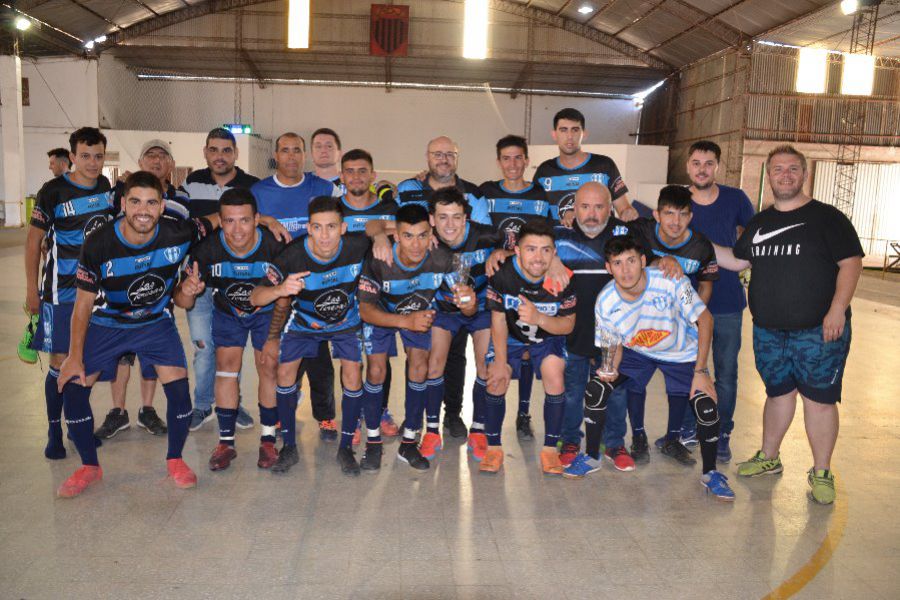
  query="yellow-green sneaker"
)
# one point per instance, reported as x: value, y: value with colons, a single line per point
x: 24, y: 350
x: 821, y: 482
x: 760, y: 465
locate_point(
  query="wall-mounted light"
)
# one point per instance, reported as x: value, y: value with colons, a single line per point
x: 298, y: 24
x: 812, y: 68
x: 475, y: 29
x: 859, y: 75
x: 22, y: 23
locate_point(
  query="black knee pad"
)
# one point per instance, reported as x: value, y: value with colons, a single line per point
x: 707, y: 414
x: 596, y: 394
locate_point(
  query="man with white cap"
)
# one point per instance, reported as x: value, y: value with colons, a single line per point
x: 155, y: 157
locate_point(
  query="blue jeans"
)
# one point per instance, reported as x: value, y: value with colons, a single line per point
x: 726, y: 344
x: 616, y: 411
x: 200, y: 323
x: 578, y: 371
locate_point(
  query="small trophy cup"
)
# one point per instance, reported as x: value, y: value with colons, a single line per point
x: 609, y: 344
x: 460, y: 273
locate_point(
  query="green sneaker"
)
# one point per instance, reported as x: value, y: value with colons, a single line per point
x: 822, y: 483
x: 26, y: 354
x: 760, y: 465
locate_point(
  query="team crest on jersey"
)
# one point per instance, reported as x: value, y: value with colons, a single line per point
x: 411, y: 304
x: 172, y: 254
x: 647, y: 338
x: 511, y: 302
x: 146, y: 290
x: 332, y: 305
x: 238, y: 295
x: 620, y: 230
x: 661, y: 303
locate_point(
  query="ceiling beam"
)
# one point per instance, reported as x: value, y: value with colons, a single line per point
x: 91, y: 11
x: 700, y: 24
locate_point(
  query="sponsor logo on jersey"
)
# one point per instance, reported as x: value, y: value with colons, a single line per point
x: 38, y: 215
x: 566, y: 203
x: 82, y: 274
x: 647, y: 338
x: 146, y: 290
x: 332, y: 305
x: 368, y: 286
x: 547, y: 308
x: 411, y: 304
x: 172, y: 254
x: 238, y: 295
x: 273, y: 275
x: 95, y: 223
x: 239, y: 268
x: 687, y: 295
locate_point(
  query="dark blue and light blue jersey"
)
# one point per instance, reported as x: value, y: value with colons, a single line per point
x: 510, y: 210
x: 231, y: 277
x: 584, y: 256
x: 328, y: 301
x: 68, y: 212
x: 290, y: 203
x: 413, y: 191
x: 561, y: 183
x: 695, y: 254
x: 504, y: 289
x: 135, y: 283
x: 356, y: 218
x: 475, y: 248
x: 402, y: 290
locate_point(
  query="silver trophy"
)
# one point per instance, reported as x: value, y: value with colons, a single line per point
x: 460, y: 268
x: 609, y: 343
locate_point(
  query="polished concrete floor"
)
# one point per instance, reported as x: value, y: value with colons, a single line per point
x: 451, y: 532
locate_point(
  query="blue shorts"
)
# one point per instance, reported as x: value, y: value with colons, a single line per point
x: 800, y: 360
x: 639, y: 369
x: 53, y: 328
x: 551, y: 346
x: 229, y: 331
x: 345, y: 345
x: 382, y: 340
x: 154, y: 344
x: 453, y: 322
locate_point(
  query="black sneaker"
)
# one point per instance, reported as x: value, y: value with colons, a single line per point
x: 455, y: 426
x: 409, y: 453
x: 149, y: 420
x: 675, y: 449
x: 371, y: 460
x: 523, y: 427
x: 116, y: 420
x: 347, y: 458
x: 640, y: 448
x: 287, y: 458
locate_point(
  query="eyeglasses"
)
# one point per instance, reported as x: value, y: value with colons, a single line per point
x: 443, y: 155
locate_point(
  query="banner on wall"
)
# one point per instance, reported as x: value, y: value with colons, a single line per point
x: 389, y: 31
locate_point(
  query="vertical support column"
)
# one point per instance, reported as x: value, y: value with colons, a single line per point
x: 13, y: 139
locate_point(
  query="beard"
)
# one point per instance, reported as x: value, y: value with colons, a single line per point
x: 592, y: 230
x: 704, y: 186
x: 790, y: 194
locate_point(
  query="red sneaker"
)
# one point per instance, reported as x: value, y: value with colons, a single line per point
x: 79, y: 481
x: 221, y: 457
x: 430, y: 445
x: 620, y: 458
x: 268, y: 454
x: 568, y: 453
x: 388, y: 427
x: 478, y: 445
x: 180, y: 473
x: 357, y: 436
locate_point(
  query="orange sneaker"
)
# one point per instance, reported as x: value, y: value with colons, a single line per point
x: 79, y: 481
x: 357, y: 436
x: 550, y: 463
x: 478, y: 445
x: 388, y: 427
x: 328, y: 431
x: 493, y: 460
x: 430, y: 445
x: 180, y: 473
x: 268, y: 454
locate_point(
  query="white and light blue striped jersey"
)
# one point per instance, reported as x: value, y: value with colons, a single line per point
x: 659, y: 324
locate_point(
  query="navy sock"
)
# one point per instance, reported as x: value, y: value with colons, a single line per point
x: 351, y: 404
x: 433, y: 404
x: 371, y: 402
x: 178, y: 415
x: 227, y: 418
x: 479, y: 390
x: 388, y: 375
x: 677, y: 404
x: 526, y: 378
x: 268, y: 418
x: 415, y: 406
x: 80, y: 421
x: 636, y: 402
x: 54, y: 414
x: 286, y: 399
x: 495, y: 410
x: 553, y: 418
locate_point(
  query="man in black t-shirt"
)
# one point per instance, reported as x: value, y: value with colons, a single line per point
x: 806, y: 260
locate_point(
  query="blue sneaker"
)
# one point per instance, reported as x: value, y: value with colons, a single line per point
x: 723, y: 452
x: 244, y: 420
x: 717, y: 485
x: 581, y: 466
x: 200, y: 416
x: 689, y: 437
x: 660, y: 442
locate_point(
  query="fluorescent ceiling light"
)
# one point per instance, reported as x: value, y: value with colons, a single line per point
x: 475, y: 32
x: 812, y: 68
x: 89, y: 44
x: 22, y: 23
x: 298, y: 24
x: 858, y: 75
x: 100, y: 39
x: 586, y: 9
x: 848, y: 7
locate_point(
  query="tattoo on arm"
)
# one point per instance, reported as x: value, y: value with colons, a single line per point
x: 279, y: 316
